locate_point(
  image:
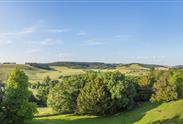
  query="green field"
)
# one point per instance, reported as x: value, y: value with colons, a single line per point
x: 147, y: 113
x: 37, y: 74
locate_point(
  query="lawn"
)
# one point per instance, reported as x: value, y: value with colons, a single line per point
x: 147, y: 113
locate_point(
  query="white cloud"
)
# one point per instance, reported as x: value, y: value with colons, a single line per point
x: 5, y: 42
x: 31, y: 51
x: 45, y: 42
x: 82, y: 33
x: 93, y: 42
x: 123, y: 36
x: 145, y: 57
x: 23, y: 32
x: 59, y: 30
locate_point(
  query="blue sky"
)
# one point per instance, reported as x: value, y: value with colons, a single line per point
x: 103, y: 31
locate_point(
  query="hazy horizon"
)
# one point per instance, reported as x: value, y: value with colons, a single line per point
x: 107, y: 31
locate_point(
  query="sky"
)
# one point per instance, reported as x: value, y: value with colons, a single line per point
x: 111, y: 31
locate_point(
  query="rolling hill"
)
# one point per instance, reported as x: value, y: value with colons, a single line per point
x: 38, y: 71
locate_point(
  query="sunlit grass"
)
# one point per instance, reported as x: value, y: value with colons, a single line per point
x: 147, y: 113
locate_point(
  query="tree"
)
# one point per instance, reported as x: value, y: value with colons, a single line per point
x: 44, y: 89
x: 63, y: 97
x: 121, y: 89
x: 94, y: 99
x: 164, y: 89
x: 16, y: 98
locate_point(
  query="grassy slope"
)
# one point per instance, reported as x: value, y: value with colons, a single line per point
x: 166, y: 113
x: 37, y: 74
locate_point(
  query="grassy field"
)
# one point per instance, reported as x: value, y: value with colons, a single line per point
x: 37, y: 74
x: 166, y: 113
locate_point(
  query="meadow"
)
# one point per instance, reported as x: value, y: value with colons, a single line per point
x: 36, y: 74
x: 147, y: 113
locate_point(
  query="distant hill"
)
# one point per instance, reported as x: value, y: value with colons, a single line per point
x: 38, y: 71
x: 100, y: 65
x: 84, y: 65
x: 145, y: 65
x: 178, y: 66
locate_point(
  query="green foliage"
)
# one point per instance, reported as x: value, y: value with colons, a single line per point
x: 121, y: 89
x: 179, y: 83
x: 16, y: 98
x: 62, y: 98
x: 164, y: 89
x: 96, y: 93
x: 44, y: 89
x: 94, y: 99
x: 178, y: 78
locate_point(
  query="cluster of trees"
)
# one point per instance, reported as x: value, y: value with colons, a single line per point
x: 96, y: 93
x: 84, y: 65
x: 43, y: 89
x: 105, y: 93
x: 39, y: 65
x: 15, y: 106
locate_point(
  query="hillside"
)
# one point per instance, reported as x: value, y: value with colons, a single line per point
x: 37, y: 74
x: 147, y: 113
x: 38, y: 71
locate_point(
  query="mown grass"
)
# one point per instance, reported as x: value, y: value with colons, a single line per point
x: 166, y: 113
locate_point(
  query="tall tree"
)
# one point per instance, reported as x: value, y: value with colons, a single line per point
x: 16, y: 99
x: 164, y: 89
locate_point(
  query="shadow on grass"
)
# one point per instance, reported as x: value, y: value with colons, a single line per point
x: 129, y: 117
x: 174, y: 120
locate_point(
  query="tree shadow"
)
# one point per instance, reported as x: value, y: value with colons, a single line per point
x: 128, y: 117
x: 174, y: 120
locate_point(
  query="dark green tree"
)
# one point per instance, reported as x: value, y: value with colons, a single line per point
x: 94, y: 99
x: 63, y: 97
x: 44, y: 89
x: 121, y: 89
